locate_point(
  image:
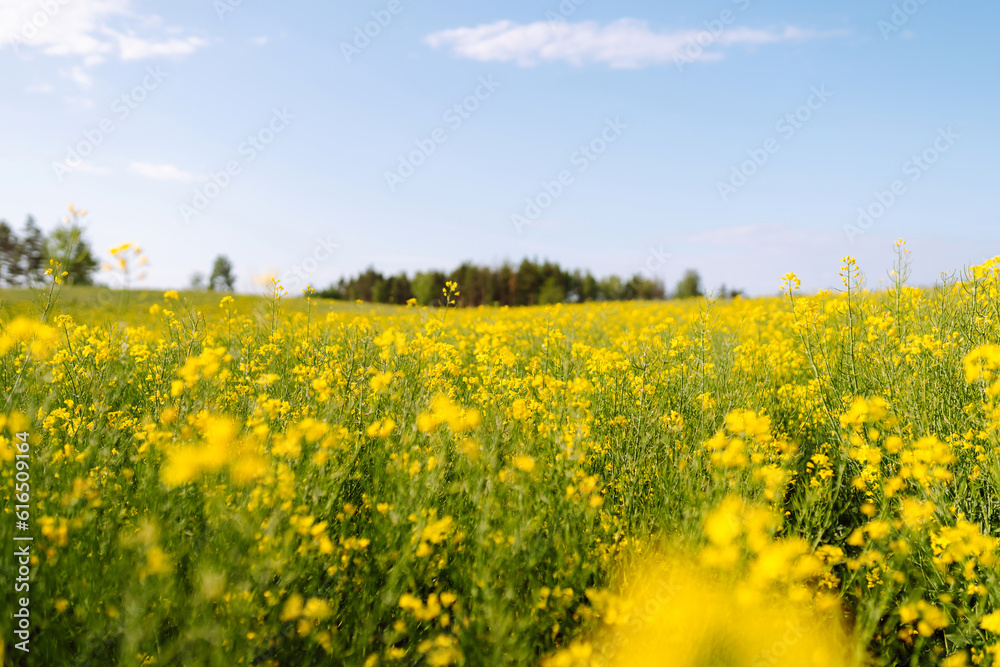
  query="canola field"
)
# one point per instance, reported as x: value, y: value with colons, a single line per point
x: 797, y: 480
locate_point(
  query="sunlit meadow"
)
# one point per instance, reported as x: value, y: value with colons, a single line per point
x: 798, y: 480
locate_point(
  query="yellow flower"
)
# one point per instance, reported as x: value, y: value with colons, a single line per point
x: 790, y: 281
x: 293, y: 608
x: 524, y: 462
x: 959, y: 659
x: 157, y: 562
x: 991, y: 622
x: 381, y: 429
x: 519, y: 409
x: 916, y: 512
x: 421, y: 611
x: 39, y: 338
x: 381, y: 380
x: 317, y: 609
x: 186, y: 463
x: 445, y: 411
x: 438, y: 531
x: 684, y: 618
x: 722, y: 526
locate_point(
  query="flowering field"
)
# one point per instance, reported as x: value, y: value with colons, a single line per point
x: 804, y: 480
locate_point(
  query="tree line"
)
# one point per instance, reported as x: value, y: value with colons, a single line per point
x: 25, y: 257
x: 528, y: 284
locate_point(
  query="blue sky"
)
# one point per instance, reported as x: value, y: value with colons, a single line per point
x: 740, y: 137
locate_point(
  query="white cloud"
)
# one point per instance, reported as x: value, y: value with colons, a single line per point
x: 161, y: 172
x: 85, y: 167
x: 91, y: 30
x: 625, y: 43
x: 260, y: 41
x: 136, y: 48
x: 59, y: 29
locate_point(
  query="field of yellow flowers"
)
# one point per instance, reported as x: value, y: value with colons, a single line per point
x: 804, y: 480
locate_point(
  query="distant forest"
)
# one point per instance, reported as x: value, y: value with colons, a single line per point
x: 25, y: 258
x: 528, y: 284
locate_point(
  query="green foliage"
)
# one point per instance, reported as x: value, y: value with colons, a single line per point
x: 427, y: 286
x: 67, y: 246
x: 222, y: 278
x: 690, y: 285
x: 10, y: 255
x: 551, y: 292
x: 530, y: 283
x: 24, y: 258
x: 33, y: 252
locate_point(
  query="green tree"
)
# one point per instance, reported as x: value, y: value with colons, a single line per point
x: 10, y: 255
x: 67, y: 246
x: 33, y: 252
x: 528, y: 284
x: 506, y: 285
x: 369, y: 286
x: 690, y: 285
x: 610, y: 288
x: 222, y: 278
x: 427, y: 287
x: 639, y: 287
x: 399, y: 289
x: 379, y: 292
x: 552, y: 291
x: 588, y: 288
x: 729, y: 293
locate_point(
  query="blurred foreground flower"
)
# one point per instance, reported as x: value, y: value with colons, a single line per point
x: 39, y: 338
x: 677, y: 615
